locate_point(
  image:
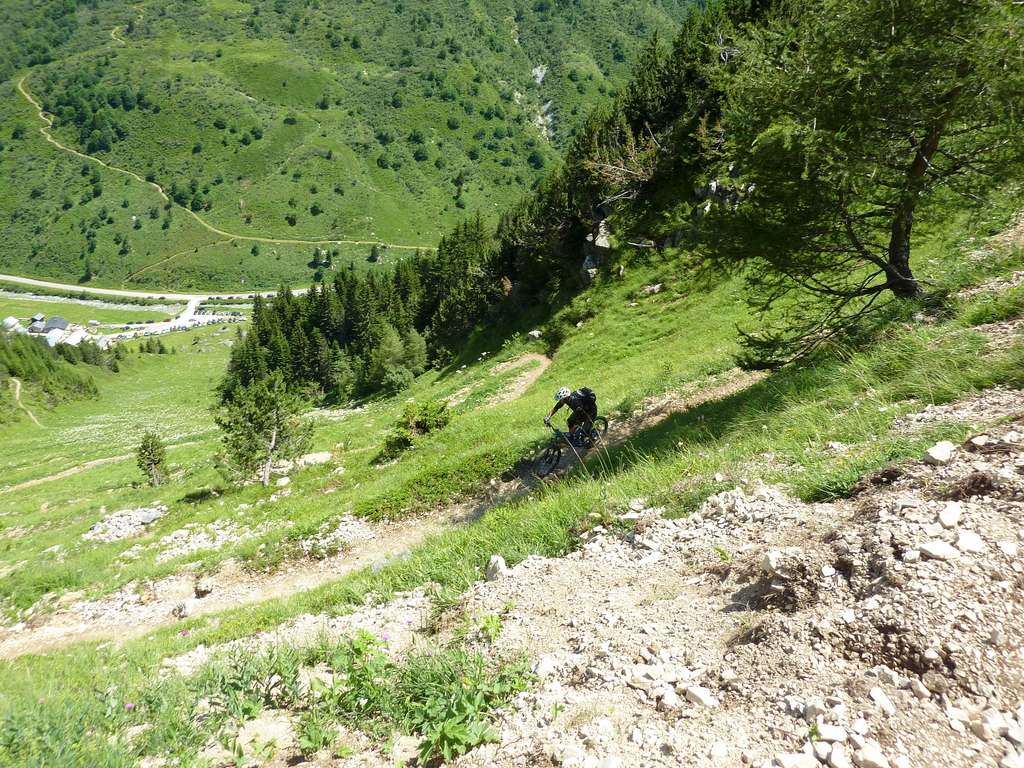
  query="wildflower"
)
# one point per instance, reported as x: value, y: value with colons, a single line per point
x: 129, y: 706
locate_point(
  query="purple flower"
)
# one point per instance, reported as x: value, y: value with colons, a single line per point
x: 129, y: 706
x: 384, y: 636
x: 183, y: 633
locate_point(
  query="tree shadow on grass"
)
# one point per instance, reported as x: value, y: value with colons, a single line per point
x: 711, y: 422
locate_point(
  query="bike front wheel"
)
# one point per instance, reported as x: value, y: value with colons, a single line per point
x: 548, y: 460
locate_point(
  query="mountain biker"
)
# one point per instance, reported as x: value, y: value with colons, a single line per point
x: 583, y: 404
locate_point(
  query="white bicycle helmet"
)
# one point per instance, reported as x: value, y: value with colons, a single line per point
x: 562, y: 393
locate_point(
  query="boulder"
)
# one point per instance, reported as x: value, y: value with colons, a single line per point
x: 796, y: 760
x: 312, y: 459
x: 496, y: 568
x: 949, y: 517
x: 870, y: 756
x: 939, y: 550
x: 940, y: 454
x: 969, y: 541
x: 696, y: 694
x: 203, y: 586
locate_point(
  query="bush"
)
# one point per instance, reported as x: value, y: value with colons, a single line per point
x: 416, y: 419
x: 396, y: 442
x: 426, y: 417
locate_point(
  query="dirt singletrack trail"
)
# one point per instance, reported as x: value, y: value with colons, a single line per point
x: 518, y: 386
x: 46, y: 129
x: 16, y: 383
x: 136, y: 610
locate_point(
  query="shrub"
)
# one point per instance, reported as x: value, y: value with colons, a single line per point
x: 416, y: 419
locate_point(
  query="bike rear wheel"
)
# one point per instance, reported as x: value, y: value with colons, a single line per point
x: 599, y: 426
x: 548, y: 460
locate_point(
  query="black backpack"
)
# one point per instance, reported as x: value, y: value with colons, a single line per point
x: 587, y: 397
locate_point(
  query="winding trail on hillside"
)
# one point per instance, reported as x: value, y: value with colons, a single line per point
x: 16, y: 383
x: 46, y: 129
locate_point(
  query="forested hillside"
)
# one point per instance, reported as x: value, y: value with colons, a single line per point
x: 729, y: 145
x: 244, y: 138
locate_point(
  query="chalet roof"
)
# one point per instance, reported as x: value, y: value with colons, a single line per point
x: 56, y: 322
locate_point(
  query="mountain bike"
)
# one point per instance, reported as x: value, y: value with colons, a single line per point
x: 577, y: 440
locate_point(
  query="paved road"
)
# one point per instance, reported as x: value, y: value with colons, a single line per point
x: 188, y: 297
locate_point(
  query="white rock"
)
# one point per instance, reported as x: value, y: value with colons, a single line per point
x: 1010, y: 760
x: 796, y: 760
x: 496, y: 568
x: 949, y: 517
x: 859, y: 726
x: 939, y: 550
x: 701, y: 696
x: 902, y: 761
x: 969, y: 541
x: 839, y: 757
x: 940, y: 454
x: 719, y: 750
x: 1015, y: 734
x: 919, y: 689
x: 831, y: 733
x: 770, y: 562
x: 870, y: 756
x: 312, y: 459
x: 911, y: 555
x: 827, y: 571
x: 881, y: 698
x: 669, y: 701
x: 283, y: 481
x: 535, y: 334
x: 546, y: 666
x: 1008, y: 548
x: 822, y: 749
x: 993, y: 721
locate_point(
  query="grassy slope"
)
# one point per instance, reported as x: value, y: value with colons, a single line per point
x: 627, y: 352
x: 418, y: 66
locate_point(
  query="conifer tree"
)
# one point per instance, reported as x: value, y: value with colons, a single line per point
x: 841, y: 122
x: 151, y: 457
x: 261, y: 424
